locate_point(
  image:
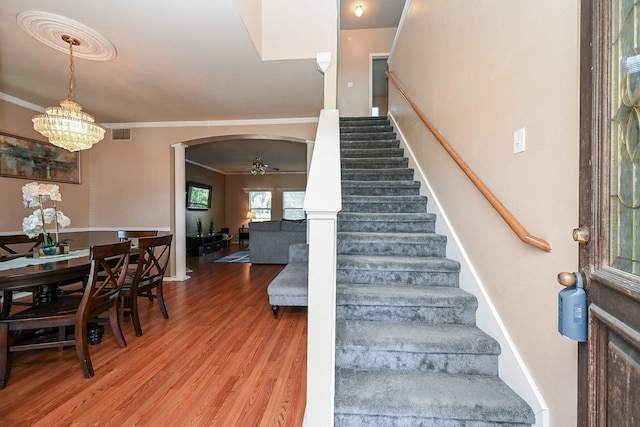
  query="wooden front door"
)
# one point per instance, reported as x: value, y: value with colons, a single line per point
x: 609, y: 362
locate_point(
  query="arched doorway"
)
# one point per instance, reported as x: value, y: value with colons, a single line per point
x: 232, y: 156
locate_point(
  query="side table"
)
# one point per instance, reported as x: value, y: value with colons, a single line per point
x: 243, y: 234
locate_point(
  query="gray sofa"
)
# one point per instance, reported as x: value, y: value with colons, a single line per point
x: 269, y: 241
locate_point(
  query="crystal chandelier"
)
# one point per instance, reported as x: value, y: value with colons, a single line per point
x: 67, y: 126
x: 258, y: 167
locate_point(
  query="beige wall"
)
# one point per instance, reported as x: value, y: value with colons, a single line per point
x: 230, y: 202
x: 216, y: 212
x: 286, y: 29
x: 125, y: 184
x: 75, y: 197
x: 238, y: 198
x: 355, y: 48
x: 496, y: 67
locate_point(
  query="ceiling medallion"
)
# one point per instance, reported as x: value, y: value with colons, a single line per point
x: 50, y: 29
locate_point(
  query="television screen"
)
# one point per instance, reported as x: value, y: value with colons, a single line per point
x: 198, y: 196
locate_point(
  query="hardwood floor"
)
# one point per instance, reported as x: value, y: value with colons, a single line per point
x: 219, y: 360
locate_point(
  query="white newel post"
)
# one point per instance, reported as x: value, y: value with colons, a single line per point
x: 322, y: 203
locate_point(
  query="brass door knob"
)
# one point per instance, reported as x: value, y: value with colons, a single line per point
x: 581, y: 235
x: 566, y: 279
x: 569, y: 279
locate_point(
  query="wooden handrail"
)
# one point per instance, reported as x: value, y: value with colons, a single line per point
x: 511, y: 220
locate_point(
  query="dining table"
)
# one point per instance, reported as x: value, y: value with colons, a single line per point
x: 43, y: 273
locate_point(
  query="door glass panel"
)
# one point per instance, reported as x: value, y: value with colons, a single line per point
x: 625, y: 146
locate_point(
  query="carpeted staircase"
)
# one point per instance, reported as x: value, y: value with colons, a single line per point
x: 408, y: 352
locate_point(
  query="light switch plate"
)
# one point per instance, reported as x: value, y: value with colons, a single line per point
x: 519, y: 141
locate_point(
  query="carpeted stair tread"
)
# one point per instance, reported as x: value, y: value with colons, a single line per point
x: 377, y: 174
x: 389, y: 204
x: 381, y: 183
x: 397, y: 263
x: 399, y: 244
x: 382, y: 199
x: 363, y: 136
x: 369, y: 143
x: 415, y: 337
x: 460, y: 398
x: 397, y: 270
x: 374, y: 184
x: 391, y: 303
x: 371, y: 128
x: 363, y: 124
x: 357, y: 153
x: 363, y: 119
x: 386, y: 217
x: 374, y: 162
x: 387, y: 295
x: 420, y: 222
x: 399, y: 238
x: 381, y: 188
x: 417, y: 346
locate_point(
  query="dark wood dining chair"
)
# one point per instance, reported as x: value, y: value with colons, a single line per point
x: 136, y: 234
x: 11, y: 246
x: 106, y: 278
x: 19, y: 244
x: 153, y: 259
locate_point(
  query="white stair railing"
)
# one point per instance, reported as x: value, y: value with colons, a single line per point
x: 322, y: 203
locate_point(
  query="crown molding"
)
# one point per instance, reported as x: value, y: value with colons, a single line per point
x: 177, y: 124
x: 21, y: 103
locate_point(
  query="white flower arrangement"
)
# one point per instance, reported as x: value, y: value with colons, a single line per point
x: 34, y: 195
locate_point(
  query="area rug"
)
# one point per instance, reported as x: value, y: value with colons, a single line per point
x: 239, y: 256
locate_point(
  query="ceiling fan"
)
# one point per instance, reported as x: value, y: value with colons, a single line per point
x: 259, y: 168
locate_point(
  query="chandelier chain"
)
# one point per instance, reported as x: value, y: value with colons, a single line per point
x: 72, y: 76
x: 71, y: 72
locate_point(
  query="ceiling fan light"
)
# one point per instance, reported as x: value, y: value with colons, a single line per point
x: 258, y: 167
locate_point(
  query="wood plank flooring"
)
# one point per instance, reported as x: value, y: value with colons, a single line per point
x: 219, y: 360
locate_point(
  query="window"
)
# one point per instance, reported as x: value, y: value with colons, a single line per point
x: 260, y: 203
x: 292, y: 203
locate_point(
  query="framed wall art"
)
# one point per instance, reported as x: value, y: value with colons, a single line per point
x: 35, y: 160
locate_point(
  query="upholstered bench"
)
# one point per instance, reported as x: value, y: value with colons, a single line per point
x: 290, y: 287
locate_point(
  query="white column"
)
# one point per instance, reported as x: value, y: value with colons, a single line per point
x: 179, y: 236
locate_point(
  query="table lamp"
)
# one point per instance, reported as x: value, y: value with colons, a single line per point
x: 251, y: 215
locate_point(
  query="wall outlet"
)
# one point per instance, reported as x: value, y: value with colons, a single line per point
x: 518, y: 141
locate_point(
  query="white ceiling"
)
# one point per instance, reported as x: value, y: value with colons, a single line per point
x: 176, y: 61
